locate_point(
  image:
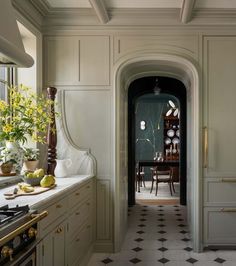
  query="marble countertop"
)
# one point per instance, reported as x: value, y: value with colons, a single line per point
x: 36, y: 201
x: 7, y: 180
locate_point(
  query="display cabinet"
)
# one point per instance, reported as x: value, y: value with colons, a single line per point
x: 171, y: 138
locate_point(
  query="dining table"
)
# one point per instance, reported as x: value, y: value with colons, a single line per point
x: 153, y: 163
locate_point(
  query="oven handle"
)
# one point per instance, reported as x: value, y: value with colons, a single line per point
x: 35, y: 218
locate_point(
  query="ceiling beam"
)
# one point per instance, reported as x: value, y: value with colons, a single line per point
x: 186, y: 10
x: 100, y: 10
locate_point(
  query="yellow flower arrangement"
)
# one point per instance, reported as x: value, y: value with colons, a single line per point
x: 26, y: 114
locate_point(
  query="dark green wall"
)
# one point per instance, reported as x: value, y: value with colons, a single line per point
x: 150, y: 108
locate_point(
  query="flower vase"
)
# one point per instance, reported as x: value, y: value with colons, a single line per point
x: 30, y: 165
x: 15, y: 152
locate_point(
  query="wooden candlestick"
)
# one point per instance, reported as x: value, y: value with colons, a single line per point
x: 52, y: 135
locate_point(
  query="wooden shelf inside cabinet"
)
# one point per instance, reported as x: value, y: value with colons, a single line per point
x: 171, y: 138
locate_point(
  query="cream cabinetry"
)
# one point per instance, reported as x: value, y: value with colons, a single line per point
x: 53, y: 246
x: 67, y: 232
x: 220, y: 146
x: 82, y: 60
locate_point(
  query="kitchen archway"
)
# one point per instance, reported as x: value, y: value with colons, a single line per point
x: 145, y: 86
x: 127, y: 69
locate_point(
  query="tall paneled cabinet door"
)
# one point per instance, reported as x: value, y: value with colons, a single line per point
x: 77, y: 60
x: 53, y: 247
x: 219, y: 131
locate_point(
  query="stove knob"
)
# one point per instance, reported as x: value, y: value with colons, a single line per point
x: 16, y: 242
x: 7, y: 252
x: 32, y: 232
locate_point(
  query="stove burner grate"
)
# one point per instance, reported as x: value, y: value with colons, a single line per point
x: 8, y: 215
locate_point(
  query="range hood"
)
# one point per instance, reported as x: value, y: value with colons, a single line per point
x: 12, y: 52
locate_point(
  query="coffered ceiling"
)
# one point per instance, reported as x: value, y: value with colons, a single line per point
x: 128, y: 12
x: 103, y: 8
x: 143, y: 3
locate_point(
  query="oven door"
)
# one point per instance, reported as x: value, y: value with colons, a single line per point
x: 28, y: 259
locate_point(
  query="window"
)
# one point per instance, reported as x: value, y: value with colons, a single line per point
x: 8, y: 75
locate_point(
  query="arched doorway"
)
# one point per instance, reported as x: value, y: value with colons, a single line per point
x: 127, y: 70
x: 136, y: 89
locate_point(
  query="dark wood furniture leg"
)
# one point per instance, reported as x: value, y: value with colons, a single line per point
x: 156, y: 186
x: 52, y: 135
x: 139, y: 177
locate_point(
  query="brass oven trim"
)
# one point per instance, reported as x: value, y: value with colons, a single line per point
x: 35, y: 218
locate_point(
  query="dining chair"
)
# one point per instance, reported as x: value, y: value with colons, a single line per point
x: 174, y: 176
x: 161, y: 176
x: 139, y: 178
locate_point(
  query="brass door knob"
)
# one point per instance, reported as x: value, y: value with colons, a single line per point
x: 7, y: 252
x: 32, y: 232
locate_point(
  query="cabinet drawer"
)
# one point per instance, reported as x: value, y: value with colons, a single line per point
x: 220, y: 191
x: 220, y: 226
x: 79, y: 216
x: 79, y: 245
x: 80, y: 194
x: 55, y: 211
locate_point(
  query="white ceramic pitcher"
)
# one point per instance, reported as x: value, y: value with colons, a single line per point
x: 63, y: 167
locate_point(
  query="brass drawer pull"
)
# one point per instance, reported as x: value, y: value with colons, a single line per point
x: 77, y: 213
x: 77, y: 193
x: 88, y: 203
x: 205, y: 148
x: 78, y: 239
x: 228, y: 209
x: 59, y: 230
x: 58, y: 206
x: 88, y: 226
x: 88, y: 186
x: 229, y: 180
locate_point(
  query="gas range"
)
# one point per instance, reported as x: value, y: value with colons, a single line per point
x: 8, y: 215
x: 18, y: 230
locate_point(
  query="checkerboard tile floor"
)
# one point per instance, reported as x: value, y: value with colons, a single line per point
x: 158, y: 235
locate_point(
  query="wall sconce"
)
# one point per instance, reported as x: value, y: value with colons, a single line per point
x: 142, y: 125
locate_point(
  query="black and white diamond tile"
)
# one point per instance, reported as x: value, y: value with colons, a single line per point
x: 191, y: 260
x: 135, y: 260
x: 107, y: 261
x: 163, y: 260
x: 159, y: 235
x: 219, y: 260
x: 137, y: 249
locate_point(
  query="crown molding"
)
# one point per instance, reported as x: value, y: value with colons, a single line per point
x: 42, y: 6
x: 214, y: 16
x: 70, y: 17
x: 147, y: 16
x: 29, y: 12
x: 215, y: 12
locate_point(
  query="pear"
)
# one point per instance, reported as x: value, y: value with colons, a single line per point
x: 30, y: 175
x: 47, y: 181
x: 39, y: 172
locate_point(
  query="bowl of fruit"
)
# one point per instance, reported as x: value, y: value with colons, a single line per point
x: 33, y: 178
